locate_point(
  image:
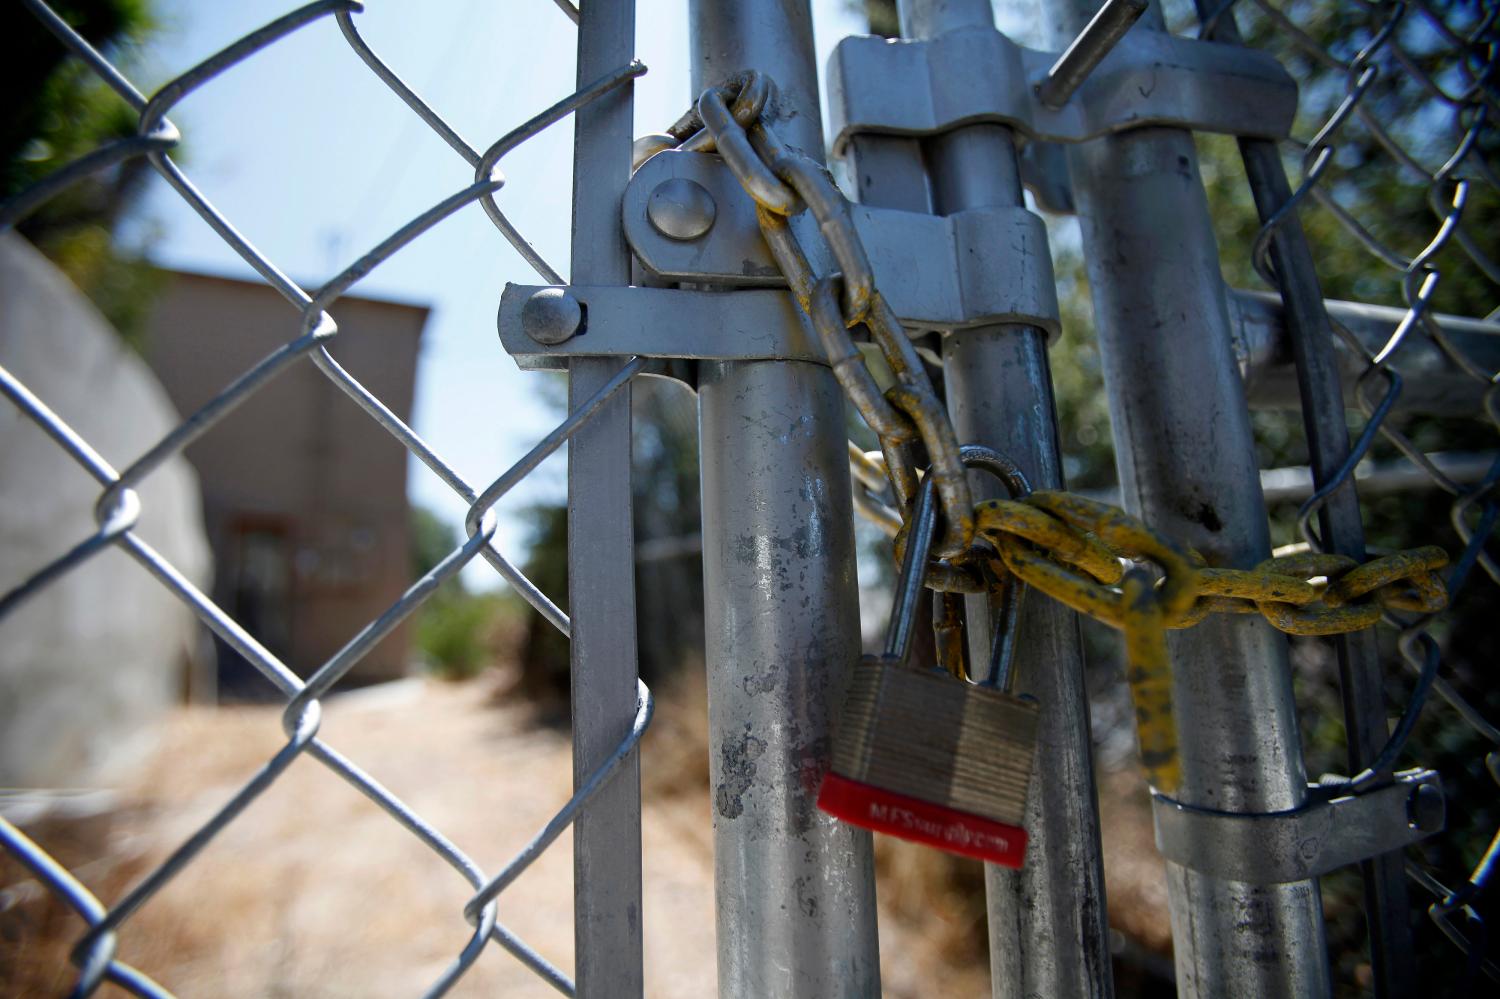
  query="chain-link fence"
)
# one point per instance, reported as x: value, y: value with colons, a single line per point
x: 311, y: 339
x: 1403, y: 93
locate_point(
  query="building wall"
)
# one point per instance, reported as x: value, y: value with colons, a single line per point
x: 91, y: 661
x: 304, y: 496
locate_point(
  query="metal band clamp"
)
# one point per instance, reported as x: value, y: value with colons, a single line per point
x: 1325, y: 834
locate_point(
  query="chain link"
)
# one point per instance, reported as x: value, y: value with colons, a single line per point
x: 1088, y: 555
x: 731, y: 119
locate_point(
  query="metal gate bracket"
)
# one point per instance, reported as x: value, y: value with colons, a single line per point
x: 687, y: 219
x: 541, y: 326
x: 978, y: 75
x: 1280, y: 847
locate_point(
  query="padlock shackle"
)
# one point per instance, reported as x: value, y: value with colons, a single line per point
x: 909, y: 584
x: 1005, y: 613
x: 998, y: 465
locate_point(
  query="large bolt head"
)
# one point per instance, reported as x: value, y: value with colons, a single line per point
x: 551, y: 316
x: 681, y: 209
x: 1425, y: 809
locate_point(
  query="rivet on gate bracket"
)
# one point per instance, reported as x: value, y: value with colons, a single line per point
x: 1266, y: 848
x: 551, y: 316
x: 681, y: 209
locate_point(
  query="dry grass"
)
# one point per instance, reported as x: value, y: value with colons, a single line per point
x: 315, y: 892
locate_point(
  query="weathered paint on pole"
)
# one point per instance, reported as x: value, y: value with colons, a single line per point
x: 794, y: 888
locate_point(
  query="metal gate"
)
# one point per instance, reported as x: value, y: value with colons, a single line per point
x: 940, y: 134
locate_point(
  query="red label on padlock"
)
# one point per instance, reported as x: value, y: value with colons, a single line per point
x: 922, y: 821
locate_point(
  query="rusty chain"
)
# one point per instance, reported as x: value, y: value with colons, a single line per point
x: 1078, y: 551
x: 731, y: 119
x: 1086, y: 554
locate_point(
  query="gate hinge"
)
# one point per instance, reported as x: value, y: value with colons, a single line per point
x: 1325, y: 834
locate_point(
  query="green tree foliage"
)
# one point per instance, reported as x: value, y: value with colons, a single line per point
x: 58, y: 110
x: 457, y: 633
x: 669, y: 590
x: 544, y: 653
x: 432, y: 538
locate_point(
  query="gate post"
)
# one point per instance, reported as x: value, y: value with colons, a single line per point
x: 1047, y: 928
x: 1341, y: 527
x: 794, y: 888
x: 1187, y: 466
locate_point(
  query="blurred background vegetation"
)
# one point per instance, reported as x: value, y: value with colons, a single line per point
x: 58, y: 110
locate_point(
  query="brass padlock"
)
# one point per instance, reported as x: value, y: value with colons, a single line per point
x: 924, y: 756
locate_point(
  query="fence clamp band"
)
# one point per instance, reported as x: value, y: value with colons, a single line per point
x: 972, y: 268
x: 972, y: 75
x: 1325, y: 834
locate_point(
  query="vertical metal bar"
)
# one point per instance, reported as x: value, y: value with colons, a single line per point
x: 1187, y: 465
x: 601, y: 566
x: 1047, y: 927
x: 794, y: 888
x: 1387, y: 911
x: 1113, y: 19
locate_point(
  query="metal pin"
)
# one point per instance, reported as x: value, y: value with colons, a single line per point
x: 681, y: 209
x: 1093, y: 43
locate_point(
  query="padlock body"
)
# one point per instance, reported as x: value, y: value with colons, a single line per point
x: 926, y: 757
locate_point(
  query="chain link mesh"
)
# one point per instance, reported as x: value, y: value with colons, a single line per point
x: 1439, y: 142
x: 1405, y: 94
x: 119, y: 507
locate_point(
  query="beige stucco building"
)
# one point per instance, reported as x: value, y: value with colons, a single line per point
x: 304, y: 496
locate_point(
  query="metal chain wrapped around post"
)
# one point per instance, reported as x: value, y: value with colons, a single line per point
x: 784, y: 183
x: 1046, y: 538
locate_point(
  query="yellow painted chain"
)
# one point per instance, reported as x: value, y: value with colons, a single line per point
x: 1073, y: 549
x: 1078, y: 551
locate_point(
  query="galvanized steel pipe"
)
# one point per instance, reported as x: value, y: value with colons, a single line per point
x: 794, y: 888
x: 601, y: 568
x: 1047, y: 929
x: 1187, y: 465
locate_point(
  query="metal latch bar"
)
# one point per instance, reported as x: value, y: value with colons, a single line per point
x: 971, y: 268
x: 609, y: 320
x: 1325, y: 834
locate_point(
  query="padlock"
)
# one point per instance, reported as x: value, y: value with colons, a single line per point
x: 925, y: 756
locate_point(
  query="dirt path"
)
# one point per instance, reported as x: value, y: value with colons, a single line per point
x: 315, y: 892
